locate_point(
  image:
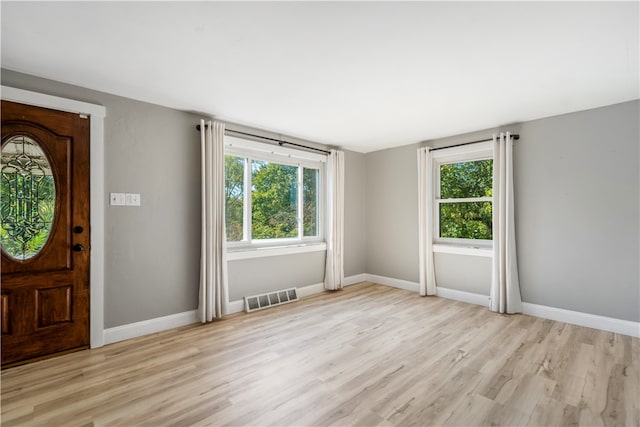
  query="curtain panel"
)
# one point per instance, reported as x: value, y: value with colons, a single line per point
x: 334, y: 267
x: 505, y: 286
x: 213, y: 263
x: 425, y: 222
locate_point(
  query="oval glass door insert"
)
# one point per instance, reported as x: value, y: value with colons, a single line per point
x: 28, y: 198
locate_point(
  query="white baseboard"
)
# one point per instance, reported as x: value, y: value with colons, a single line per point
x: 603, y: 323
x: 146, y: 327
x: 159, y: 324
x: 305, y: 291
x: 463, y: 296
x: 234, y: 307
x: 609, y: 324
x: 356, y: 278
x: 394, y: 283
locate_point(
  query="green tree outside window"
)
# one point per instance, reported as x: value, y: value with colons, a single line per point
x: 466, y: 219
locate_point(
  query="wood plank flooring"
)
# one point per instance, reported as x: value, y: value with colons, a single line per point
x: 368, y: 355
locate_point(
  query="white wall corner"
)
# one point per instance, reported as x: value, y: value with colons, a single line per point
x: 146, y: 327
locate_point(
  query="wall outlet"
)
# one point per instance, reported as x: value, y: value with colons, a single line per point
x: 117, y: 199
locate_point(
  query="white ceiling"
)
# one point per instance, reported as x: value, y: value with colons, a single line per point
x: 360, y: 75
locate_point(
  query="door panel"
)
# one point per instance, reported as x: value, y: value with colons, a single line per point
x: 4, y: 317
x: 45, y: 264
x: 53, y: 305
x: 56, y: 255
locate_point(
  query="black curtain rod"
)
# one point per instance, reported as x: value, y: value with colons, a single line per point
x: 279, y: 141
x: 515, y: 138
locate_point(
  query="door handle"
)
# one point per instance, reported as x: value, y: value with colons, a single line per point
x: 78, y: 247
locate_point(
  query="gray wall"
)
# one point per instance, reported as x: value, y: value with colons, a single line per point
x: 577, y: 214
x: 152, y: 253
x: 355, y: 218
x: 259, y: 275
x: 463, y: 272
x: 578, y: 211
x: 392, y: 213
x: 253, y: 276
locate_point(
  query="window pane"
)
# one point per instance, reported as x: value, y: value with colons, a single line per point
x: 469, y: 220
x: 466, y: 179
x: 310, y: 201
x: 274, y: 200
x: 234, y: 197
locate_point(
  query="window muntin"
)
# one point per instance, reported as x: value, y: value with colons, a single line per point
x: 271, y: 199
x: 464, y: 200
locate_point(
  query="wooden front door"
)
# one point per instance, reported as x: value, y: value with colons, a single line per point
x: 44, y: 232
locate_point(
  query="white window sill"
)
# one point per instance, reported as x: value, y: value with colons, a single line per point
x: 463, y: 250
x: 259, y: 252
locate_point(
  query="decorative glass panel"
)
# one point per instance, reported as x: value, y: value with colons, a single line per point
x: 28, y: 198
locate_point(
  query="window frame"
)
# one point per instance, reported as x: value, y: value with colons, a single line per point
x: 253, y: 150
x: 467, y: 153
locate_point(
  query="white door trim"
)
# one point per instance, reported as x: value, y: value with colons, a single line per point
x: 97, y: 114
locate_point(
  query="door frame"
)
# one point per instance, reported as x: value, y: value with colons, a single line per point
x: 97, y: 197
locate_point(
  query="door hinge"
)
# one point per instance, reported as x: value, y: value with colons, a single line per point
x: 83, y: 116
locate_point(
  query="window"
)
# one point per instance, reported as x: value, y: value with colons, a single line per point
x: 271, y: 198
x: 463, y: 197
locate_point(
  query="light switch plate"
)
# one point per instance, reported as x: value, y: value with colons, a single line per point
x: 132, y: 199
x: 117, y: 199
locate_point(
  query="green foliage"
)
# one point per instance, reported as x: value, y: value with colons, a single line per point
x: 310, y: 201
x: 466, y: 179
x: 274, y: 200
x: 234, y: 194
x: 466, y: 220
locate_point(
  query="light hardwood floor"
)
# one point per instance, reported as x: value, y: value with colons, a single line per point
x: 367, y: 355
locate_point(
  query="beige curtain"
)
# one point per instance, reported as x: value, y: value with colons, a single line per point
x: 334, y: 269
x: 213, y: 263
x: 425, y: 222
x: 505, y: 286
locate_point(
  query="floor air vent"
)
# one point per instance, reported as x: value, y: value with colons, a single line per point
x: 258, y: 302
